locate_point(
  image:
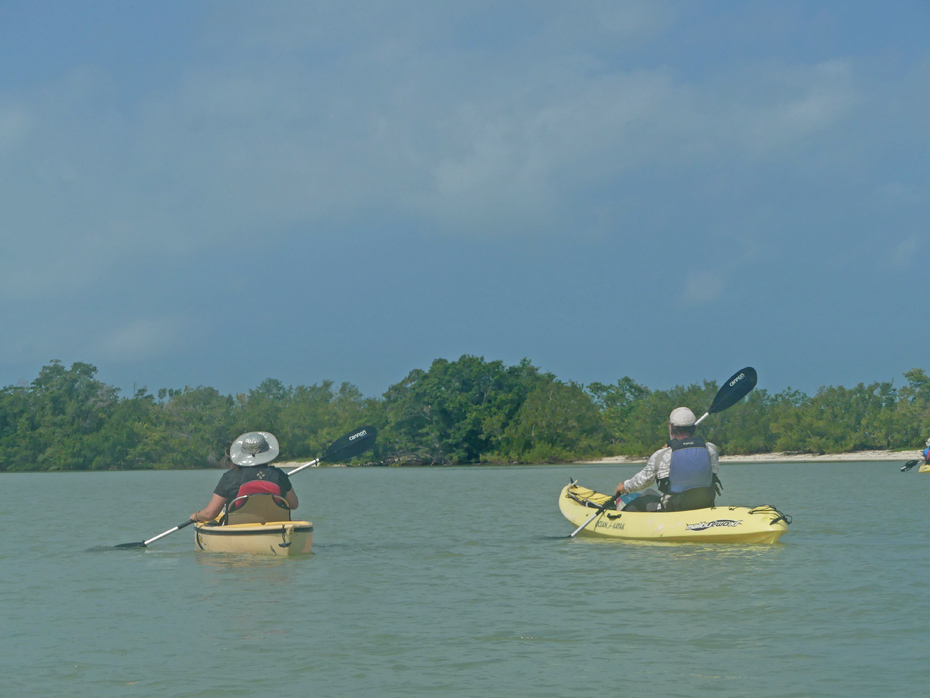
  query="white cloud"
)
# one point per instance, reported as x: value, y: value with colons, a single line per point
x: 15, y: 124
x: 417, y: 120
x: 902, y: 194
x: 701, y: 288
x: 904, y: 255
x: 511, y: 163
x: 140, y: 339
x: 802, y: 102
x: 70, y: 335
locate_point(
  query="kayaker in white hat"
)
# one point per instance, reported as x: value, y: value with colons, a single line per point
x: 251, y: 473
x: 685, y: 471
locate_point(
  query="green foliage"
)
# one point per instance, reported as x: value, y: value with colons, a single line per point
x: 616, y: 403
x: 556, y: 422
x: 50, y: 422
x: 646, y: 426
x: 308, y: 419
x: 193, y: 429
x: 914, y: 407
x: 838, y: 420
x: 456, y: 412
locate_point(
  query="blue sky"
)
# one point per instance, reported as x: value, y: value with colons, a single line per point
x: 216, y: 193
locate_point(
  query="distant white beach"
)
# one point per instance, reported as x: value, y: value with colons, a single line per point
x: 791, y: 457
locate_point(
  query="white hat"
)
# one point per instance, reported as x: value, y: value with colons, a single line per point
x: 928, y: 443
x: 254, y: 448
x: 681, y: 417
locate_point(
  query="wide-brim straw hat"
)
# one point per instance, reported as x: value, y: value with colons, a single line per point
x: 254, y: 448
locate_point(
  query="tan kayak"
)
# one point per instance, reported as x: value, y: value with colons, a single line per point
x: 257, y: 524
x: 272, y: 538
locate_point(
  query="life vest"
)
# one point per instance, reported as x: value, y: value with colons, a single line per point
x: 258, y: 480
x: 690, y: 466
x: 258, y: 487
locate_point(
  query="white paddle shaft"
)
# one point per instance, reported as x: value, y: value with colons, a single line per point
x: 311, y: 464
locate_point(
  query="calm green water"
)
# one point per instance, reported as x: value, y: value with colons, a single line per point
x: 462, y: 582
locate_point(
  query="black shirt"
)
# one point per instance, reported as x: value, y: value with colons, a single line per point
x: 234, y: 478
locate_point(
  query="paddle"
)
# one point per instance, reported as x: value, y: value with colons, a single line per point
x: 144, y: 543
x: 350, y: 445
x: 606, y: 505
x: 737, y: 386
x: 347, y: 447
x: 907, y: 466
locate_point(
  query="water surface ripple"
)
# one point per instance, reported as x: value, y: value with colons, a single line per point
x: 463, y: 582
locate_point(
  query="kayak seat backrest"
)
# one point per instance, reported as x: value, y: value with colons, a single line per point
x: 258, y: 487
x: 695, y: 498
x: 257, y: 508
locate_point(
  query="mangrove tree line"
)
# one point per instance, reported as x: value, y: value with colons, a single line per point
x: 456, y: 412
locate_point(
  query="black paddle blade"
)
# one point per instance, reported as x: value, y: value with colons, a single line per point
x: 129, y: 546
x: 351, y: 444
x: 738, y: 386
x: 907, y: 466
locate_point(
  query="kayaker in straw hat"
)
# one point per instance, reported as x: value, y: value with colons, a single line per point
x: 926, y: 452
x: 250, y: 455
x: 685, y: 471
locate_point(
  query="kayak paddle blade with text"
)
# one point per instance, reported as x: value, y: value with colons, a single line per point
x: 736, y: 387
x: 356, y: 442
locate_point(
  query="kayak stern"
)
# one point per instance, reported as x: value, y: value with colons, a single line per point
x: 280, y: 538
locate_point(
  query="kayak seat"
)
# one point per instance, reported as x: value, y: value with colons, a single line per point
x: 257, y: 508
x: 650, y: 500
x: 695, y: 498
x: 643, y: 501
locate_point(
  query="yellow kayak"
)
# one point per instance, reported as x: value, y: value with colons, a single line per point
x: 925, y: 468
x: 720, y: 524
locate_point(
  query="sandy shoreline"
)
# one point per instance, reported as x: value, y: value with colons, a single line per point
x: 790, y: 457
x: 857, y: 456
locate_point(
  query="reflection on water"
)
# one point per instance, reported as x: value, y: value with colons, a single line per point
x: 228, y: 561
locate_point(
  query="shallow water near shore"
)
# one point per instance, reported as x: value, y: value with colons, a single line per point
x: 463, y: 582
